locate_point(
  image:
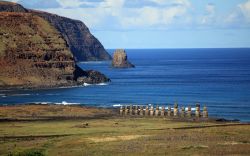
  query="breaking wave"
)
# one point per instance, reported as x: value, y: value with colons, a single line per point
x: 67, y: 103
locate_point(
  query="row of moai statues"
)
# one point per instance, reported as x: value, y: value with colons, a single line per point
x: 175, y: 112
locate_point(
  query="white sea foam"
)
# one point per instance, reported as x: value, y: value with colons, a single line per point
x: 3, y: 95
x: 98, y: 84
x: 192, y: 109
x: 102, y: 84
x: 42, y: 103
x: 117, y: 105
x: 86, y: 84
x: 66, y: 103
x: 68, y: 87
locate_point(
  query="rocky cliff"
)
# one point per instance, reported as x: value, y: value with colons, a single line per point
x: 33, y: 53
x: 11, y: 7
x: 83, y: 45
x: 120, y: 60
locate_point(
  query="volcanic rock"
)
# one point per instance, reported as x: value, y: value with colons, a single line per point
x: 83, y: 45
x: 120, y: 60
x: 89, y: 76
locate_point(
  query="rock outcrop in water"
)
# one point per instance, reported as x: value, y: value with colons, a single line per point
x: 33, y: 53
x: 120, y: 60
x: 89, y: 76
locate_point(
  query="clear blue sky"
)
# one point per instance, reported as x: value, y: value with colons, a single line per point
x: 158, y: 23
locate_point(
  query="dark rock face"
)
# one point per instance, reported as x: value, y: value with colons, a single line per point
x: 83, y: 45
x: 120, y: 60
x: 11, y: 7
x: 89, y: 76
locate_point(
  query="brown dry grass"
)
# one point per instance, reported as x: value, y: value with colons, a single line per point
x: 50, y: 111
x: 115, y: 135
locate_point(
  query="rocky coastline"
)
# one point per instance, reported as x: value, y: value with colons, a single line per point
x: 37, y: 51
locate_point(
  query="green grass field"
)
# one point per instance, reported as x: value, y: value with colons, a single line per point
x: 122, y: 136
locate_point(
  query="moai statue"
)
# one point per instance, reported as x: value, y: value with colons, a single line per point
x: 152, y: 110
x: 176, y: 110
x: 121, y: 110
x: 182, y: 112
x: 131, y: 110
x: 189, y: 112
x: 136, y: 110
x: 146, y: 111
x: 141, y: 110
x: 157, y: 110
x: 169, y: 111
x: 126, y: 110
x: 205, y: 113
x: 163, y: 111
x: 197, y: 110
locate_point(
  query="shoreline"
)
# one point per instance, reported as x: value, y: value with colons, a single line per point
x: 75, y: 85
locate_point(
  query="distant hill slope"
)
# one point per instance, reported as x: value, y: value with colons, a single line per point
x: 83, y: 45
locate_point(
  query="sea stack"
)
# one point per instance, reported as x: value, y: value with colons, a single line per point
x: 120, y: 60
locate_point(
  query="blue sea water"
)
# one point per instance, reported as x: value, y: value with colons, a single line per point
x: 217, y: 78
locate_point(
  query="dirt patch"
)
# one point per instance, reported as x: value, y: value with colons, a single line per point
x: 232, y: 143
x: 196, y: 147
x: 116, y: 138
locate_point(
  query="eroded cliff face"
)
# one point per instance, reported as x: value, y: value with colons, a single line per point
x: 32, y: 52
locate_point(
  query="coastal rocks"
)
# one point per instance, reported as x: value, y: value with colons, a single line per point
x: 89, y: 76
x: 95, y: 77
x: 120, y: 60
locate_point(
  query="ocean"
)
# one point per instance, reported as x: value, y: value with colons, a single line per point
x: 217, y: 78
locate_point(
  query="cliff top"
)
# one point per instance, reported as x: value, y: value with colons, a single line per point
x: 8, y: 3
x: 11, y: 7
